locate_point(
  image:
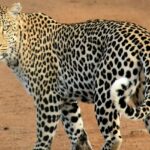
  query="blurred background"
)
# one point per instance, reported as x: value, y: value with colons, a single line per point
x: 17, y: 113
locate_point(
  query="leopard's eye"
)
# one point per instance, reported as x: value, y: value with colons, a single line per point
x: 6, y: 26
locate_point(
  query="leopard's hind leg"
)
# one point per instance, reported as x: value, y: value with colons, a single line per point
x: 73, y: 123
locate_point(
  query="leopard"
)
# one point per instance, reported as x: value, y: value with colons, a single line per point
x: 100, y: 62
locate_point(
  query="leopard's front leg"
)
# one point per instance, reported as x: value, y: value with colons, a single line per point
x: 48, y: 114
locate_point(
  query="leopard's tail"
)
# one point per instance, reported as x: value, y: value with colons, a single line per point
x: 120, y: 93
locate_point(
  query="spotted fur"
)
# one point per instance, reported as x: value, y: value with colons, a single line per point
x: 62, y: 63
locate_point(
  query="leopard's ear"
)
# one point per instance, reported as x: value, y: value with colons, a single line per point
x: 15, y: 9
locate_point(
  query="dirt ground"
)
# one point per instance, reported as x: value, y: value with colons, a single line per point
x: 17, y: 113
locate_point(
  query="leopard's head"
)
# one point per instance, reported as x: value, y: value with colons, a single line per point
x: 9, y: 26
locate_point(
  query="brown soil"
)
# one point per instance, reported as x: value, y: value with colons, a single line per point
x: 17, y: 113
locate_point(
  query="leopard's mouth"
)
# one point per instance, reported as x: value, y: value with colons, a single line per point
x: 3, y: 52
x: 3, y: 56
